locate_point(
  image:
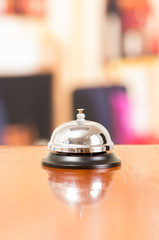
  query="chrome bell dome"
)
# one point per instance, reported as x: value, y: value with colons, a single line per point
x: 80, y: 136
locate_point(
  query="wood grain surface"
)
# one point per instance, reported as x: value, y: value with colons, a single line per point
x: 41, y: 203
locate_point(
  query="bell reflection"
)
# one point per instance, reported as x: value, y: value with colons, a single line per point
x: 80, y: 187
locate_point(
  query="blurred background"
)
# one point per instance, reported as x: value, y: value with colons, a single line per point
x: 59, y: 55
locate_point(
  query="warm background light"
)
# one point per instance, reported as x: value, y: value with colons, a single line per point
x: 86, y: 44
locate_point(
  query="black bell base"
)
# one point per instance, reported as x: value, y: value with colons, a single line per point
x: 81, y: 161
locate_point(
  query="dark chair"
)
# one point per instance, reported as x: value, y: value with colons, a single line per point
x: 28, y: 101
x: 109, y: 106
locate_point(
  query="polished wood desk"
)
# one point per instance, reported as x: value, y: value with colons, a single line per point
x: 44, y: 204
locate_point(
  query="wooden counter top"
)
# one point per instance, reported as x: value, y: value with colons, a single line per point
x: 51, y: 204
